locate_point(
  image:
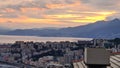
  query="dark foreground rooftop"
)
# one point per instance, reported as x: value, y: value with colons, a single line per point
x: 114, y: 62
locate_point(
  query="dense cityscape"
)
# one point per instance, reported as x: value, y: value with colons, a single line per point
x: 51, y: 54
x: 59, y: 34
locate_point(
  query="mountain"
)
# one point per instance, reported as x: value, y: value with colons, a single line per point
x: 45, y: 28
x: 4, y: 30
x: 99, y: 29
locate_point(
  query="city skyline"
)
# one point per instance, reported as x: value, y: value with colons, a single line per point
x: 25, y: 14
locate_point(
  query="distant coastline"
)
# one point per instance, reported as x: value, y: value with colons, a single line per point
x: 13, y: 38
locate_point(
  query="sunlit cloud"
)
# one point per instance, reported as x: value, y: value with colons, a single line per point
x: 9, y: 10
x: 103, y: 12
x: 88, y: 19
x: 62, y: 16
x: 56, y: 13
x: 24, y: 19
x: 24, y: 10
x: 92, y: 19
x: 57, y: 6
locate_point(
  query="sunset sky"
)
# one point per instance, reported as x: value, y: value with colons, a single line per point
x: 25, y: 14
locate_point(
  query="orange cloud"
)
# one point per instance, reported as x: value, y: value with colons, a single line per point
x: 55, y: 6
x: 31, y: 9
x: 82, y: 16
x: 101, y: 12
x: 62, y: 16
x: 100, y: 16
x: 0, y: 14
x: 24, y: 19
x: 9, y: 10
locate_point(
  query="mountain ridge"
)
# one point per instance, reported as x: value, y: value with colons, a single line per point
x: 99, y: 29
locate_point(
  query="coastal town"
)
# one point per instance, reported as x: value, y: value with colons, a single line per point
x: 51, y: 54
x: 59, y: 33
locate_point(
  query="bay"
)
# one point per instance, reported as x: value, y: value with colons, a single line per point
x: 12, y: 39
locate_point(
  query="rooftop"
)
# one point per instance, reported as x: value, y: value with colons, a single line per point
x: 114, y: 62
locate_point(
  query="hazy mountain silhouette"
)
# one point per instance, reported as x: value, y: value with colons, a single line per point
x: 99, y: 29
x: 3, y: 30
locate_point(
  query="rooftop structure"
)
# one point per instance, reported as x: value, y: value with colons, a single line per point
x: 101, y: 55
x: 114, y: 62
x: 98, y: 58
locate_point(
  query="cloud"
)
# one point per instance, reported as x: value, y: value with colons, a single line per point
x: 103, y: 4
x: 57, y: 13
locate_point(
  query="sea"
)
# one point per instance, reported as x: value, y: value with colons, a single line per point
x: 13, y: 38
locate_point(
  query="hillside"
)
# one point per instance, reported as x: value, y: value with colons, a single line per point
x: 99, y: 29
